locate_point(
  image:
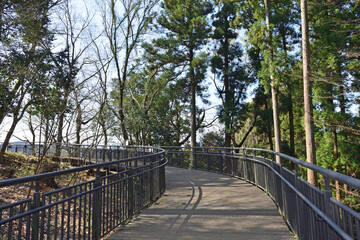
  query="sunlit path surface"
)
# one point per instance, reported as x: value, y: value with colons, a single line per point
x: 203, y: 205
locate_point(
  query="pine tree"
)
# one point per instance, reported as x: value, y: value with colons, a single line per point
x: 308, y: 105
x: 227, y: 65
x: 186, y: 31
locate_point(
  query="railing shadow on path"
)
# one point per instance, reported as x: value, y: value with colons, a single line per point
x: 204, y: 205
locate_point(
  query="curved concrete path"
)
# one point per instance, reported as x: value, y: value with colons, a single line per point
x: 203, y: 205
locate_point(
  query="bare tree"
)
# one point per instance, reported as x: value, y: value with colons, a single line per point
x: 70, y: 60
x: 124, y: 31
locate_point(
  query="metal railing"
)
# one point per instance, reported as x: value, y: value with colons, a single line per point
x: 311, y: 212
x: 127, y: 179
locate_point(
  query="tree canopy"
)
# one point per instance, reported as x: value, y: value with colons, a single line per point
x: 269, y: 74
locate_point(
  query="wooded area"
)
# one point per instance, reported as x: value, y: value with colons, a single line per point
x: 133, y: 71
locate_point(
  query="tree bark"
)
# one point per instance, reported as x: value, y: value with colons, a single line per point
x: 227, y: 96
x: 290, y: 106
x: 59, y: 138
x: 342, y: 110
x: 308, y: 106
x: 193, y: 100
x: 291, y: 124
x: 274, y: 90
x: 268, y: 130
x: 16, y: 119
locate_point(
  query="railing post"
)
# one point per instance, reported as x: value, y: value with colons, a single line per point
x: 151, y: 182
x: 233, y: 163
x: 254, y: 169
x: 327, y: 196
x: 35, y: 223
x: 78, y: 152
x: 182, y: 158
x: 266, y: 174
x: 130, y: 193
x: 96, y: 218
x: 283, y: 191
x: 110, y: 154
x: 96, y: 155
x: 194, y: 158
x: 245, y: 165
x: 221, y: 163
x: 103, y: 154
x: 298, y: 217
x: 170, y: 158
x: 207, y: 160
x: 90, y: 152
x: 163, y: 178
x: 126, y: 154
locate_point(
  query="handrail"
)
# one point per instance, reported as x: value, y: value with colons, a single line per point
x: 308, y: 202
x: 42, y: 176
x: 354, y: 182
x: 87, y: 210
x: 257, y: 166
x: 324, y: 217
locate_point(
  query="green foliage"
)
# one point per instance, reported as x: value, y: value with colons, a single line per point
x: 213, y: 139
x: 226, y: 63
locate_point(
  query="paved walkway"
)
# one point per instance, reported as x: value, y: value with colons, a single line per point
x: 203, y: 205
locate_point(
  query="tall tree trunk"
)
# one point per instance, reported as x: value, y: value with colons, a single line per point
x: 122, y: 115
x: 336, y: 156
x: 291, y: 123
x: 227, y: 96
x: 78, y: 122
x: 342, y: 110
x: 193, y: 103
x: 290, y: 106
x: 192, y: 108
x: 59, y: 138
x: 309, y: 121
x: 16, y: 119
x: 268, y: 130
x: 274, y: 91
x: 330, y: 102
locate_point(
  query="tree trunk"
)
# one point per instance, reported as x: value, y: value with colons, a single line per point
x: 15, y: 121
x: 336, y: 155
x: 268, y: 130
x: 7, y: 138
x: 122, y: 115
x: 192, y: 108
x: 290, y: 106
x: 308, y: 106
x: 291, y: 124
x: 193, y: 98
x: 227, y: 96
x: 78, y: 123
x: 59, y: 138
x: 342, y: 110
x: 274, y: 91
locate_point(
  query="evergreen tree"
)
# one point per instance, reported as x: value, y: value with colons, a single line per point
x: 227, y: 65
x: 186, y: 30
x: 23, y: 30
